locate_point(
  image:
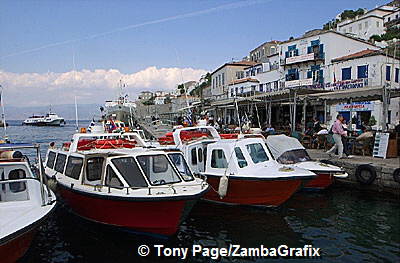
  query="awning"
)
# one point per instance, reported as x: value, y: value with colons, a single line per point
x: 357, y: 94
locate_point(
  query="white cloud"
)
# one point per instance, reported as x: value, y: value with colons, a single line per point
x: 33, y: 89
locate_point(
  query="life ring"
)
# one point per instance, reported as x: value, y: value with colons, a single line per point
x: 396, y: 175
x: 365, y: 174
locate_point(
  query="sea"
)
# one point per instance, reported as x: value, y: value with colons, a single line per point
x: 346, y: 225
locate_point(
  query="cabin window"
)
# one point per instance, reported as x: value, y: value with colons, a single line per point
x: 94, y: 168
x: 194, y: 156
x: 74, y: 167
x: 240, y: 157
x: 15, y: 175
x: 130, y: 171
x: 60, y: 163
x: 112, y: 179
x: 158, y: 169
x: 182, y: 166
x: 200, y: 155
x: 218, y: 159
x: 50, y: 160
x: 257, y: 152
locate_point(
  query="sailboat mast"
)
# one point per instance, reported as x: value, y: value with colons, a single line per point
x: 76, y: 115
x: 3, y: 115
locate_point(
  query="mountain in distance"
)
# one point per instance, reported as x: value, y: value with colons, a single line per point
x: 66, y: 111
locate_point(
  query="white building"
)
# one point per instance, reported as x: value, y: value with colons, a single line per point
x: 226, y: 74
x: 159, y: 100
x: 392, y: 19
x: 307, y: 60
x: 262, y: 77
x: 366, y: 69
x: 367, y: 25
x: 145, y: 95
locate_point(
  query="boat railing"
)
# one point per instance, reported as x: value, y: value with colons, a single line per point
x: 20, y: 185
x: 99, y: 187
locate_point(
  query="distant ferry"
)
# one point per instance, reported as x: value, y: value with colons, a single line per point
x: 50, y: 119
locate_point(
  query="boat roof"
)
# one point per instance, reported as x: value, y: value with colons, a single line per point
x: 279, y: 144
x: 7, y: 146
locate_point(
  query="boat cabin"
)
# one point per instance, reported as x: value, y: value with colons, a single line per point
x: 120, y: 168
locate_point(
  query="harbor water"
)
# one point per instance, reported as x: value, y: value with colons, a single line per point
x: 346, y: 224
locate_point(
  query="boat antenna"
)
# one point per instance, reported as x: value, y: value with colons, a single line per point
x: 76, y: 115
x: 3, y: 115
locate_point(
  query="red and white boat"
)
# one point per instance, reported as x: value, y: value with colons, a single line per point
x: 119, y: 182
x: 241, y: 168
x: 25, y: 202
x: 289, y: 151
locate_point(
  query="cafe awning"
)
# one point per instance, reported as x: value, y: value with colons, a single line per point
x: 357, y: 94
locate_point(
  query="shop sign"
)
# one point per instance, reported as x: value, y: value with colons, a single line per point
x: 356, y: 106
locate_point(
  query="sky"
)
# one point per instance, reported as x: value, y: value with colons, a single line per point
x: 53, y: 50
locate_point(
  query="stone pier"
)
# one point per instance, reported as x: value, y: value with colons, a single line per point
x: 384, y: 181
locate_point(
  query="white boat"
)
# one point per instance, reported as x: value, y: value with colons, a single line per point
x: 50, y: 119
x: 241, y: 169
x: 289, y: 151
x: 25, y: 202
x: 108, y: 179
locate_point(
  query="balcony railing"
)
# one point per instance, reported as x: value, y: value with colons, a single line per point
x: 298, y: 83
x: 303, y: 58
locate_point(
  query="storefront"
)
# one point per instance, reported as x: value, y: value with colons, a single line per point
x: 359, y: 112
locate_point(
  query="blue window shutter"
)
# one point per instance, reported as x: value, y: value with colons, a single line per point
x: 362, y: 72
x: 346, y: 73
x: 296, y: 52
x: 286, y: 54
x: 388, y: 73
x: 321, y: 76
x: 396, y: 78
x: 309, y: 50
x: 309, y: 74
x: 321, y: 48
x: 315, y: 43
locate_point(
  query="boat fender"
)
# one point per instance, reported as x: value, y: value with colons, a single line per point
x: 396, y: 175
x: 365, y: 174
x: 223, y: 186
x: 11, y: 155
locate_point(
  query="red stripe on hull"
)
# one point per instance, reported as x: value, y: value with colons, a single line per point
x: 17, y: 247
x: 254, y: 192
x: 157, y: 217
x: 321, y: 182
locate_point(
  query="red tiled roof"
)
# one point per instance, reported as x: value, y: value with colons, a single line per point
x: 243, y: 80
x: 360, y: 54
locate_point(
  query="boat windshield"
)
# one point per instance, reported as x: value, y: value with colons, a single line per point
x: 130, y: 171
x: 158, y: 169
x: 294, y: 156
x: 13, y: 191
x: 181, y: 165
x: 257, y: 152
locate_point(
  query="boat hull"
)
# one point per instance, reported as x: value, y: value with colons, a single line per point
x: 45, y: 123
x: 159, y: 217
x: 16, y: 247
x: 321, y: 182
x: 254, y: 192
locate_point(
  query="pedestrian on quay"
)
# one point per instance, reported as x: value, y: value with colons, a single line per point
x: 338, y: 132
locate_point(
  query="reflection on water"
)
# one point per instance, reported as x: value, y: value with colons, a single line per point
x: 348, y: 225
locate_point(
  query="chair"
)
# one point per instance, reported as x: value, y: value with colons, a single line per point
x: 321, y: 141
x: 363, y: 146
x: 329, y: 142
x: 307, y: 141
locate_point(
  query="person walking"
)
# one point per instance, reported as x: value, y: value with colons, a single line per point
x: 338, y: 132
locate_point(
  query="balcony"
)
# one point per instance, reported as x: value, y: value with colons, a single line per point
x: 298, y: 83
x: 303, y: 58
